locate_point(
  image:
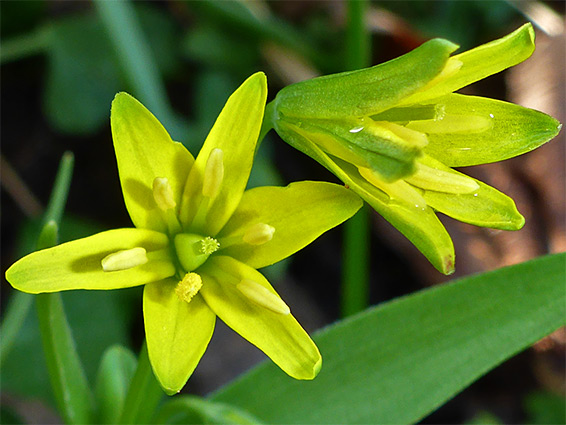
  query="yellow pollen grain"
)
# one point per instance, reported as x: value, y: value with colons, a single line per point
x: 188, y: 287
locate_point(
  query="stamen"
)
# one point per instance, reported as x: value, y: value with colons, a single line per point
x: 451, y: 67
x: 163, y: 194
x: 399, y: 190
x: 125, y: 259
x: 430, y: 178
x: 262, y: 296
x: 213, y: 173
x: 188, y: 287
x: 258, y: 234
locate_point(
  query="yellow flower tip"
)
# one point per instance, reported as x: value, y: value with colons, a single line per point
x: 317, y: 367
x: 262, y: 296
x: 258, y: 234
x: 188, y: 287
x: 125, y: 259
x: 448, y: 266
x: 209, y: 245
x: 213, y: 173
x: 163, y: 194
x: 170, y: 391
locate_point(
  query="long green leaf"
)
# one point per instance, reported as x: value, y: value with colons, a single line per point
x: 398, y: 362
x: 72, y: 393
x: 73, y: 396
x: 144, y: 393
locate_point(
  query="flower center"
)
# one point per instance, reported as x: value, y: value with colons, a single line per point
x: 193, y: 250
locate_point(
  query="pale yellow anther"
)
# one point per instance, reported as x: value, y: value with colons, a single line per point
x: 258, y: 234
x: 213, y: 173
x: 163, y: 194
x: 430, y: 178
x: 398, y: 191
x: 262, y: 296
x: 188, y: 287
x: 125, y: 259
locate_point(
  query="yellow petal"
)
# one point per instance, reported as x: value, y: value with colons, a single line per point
x: 235, y: 134
x: 145, y: 151
x: 177, y: 333
x: 78, y: 264
x: 278, y: 335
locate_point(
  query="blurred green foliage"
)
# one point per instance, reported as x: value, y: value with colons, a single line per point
x: 202, y: 50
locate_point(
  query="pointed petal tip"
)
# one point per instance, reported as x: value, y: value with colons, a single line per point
x: 518, y: 222
x: 258, y: 79
x: 448, y: 265
x: 312, y: 373
x: 170, y: 391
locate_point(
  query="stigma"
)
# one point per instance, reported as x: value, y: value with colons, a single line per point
x: 188, y: 287
x: 124, y: 259
x: 193, y: 250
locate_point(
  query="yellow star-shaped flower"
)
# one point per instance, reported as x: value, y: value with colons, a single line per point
x: 199, y: 239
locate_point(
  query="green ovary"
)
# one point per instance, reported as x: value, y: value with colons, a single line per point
x: 193, y: 250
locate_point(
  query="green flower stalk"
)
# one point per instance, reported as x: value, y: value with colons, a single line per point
x: 198, y: 240
x: 392, y: 133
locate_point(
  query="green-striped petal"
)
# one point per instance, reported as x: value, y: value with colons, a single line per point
x: 477, y: 130
x: 481, y: 62
x: 177, y: 333
x: 77, y: 264
x: 278, y: 335
x: 365, y: 91
x: 144, y: 151
x: 299, y: 213
x: 235, y: 133
x: 421, y: 227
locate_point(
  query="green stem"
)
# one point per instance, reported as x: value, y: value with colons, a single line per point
x: 72, y: 393
x: 68, y: 379
x: 20, y: 303
x: 61, y: 187
x: 14, y: 318
x: 137, y: 62
x: 25, y: 45
x: 144, y: 393
x: 355, y: 273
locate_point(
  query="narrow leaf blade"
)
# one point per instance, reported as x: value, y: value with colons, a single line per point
x: 398, y: 362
